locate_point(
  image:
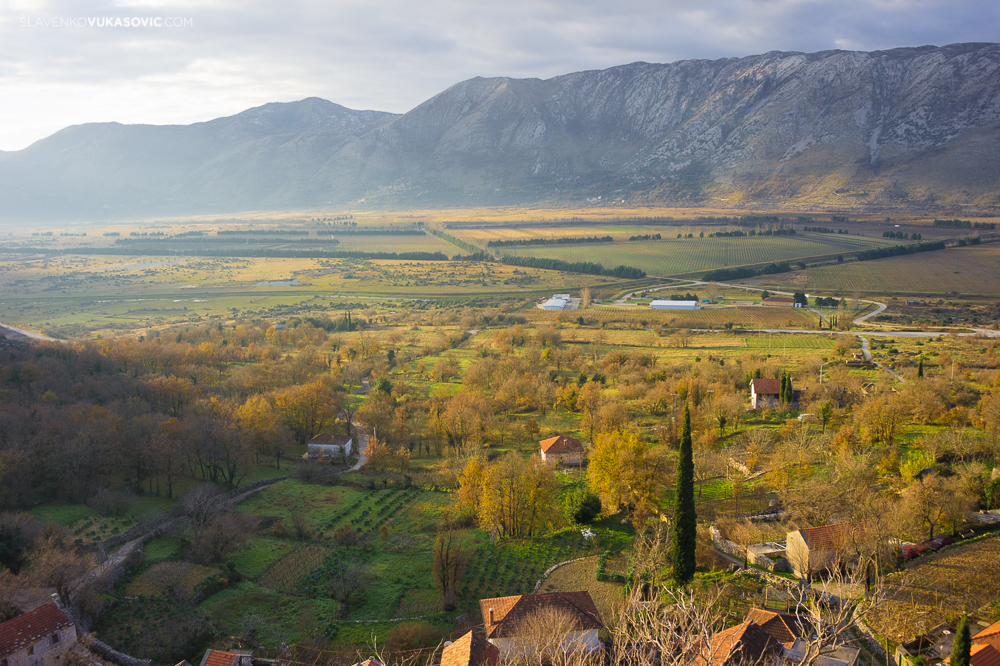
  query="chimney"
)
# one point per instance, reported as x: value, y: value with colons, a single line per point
x: 491, y: 616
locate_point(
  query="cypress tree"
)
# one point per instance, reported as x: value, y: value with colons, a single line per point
x: 961, y: 649
x: 920, y: 368
x: 685, y: 519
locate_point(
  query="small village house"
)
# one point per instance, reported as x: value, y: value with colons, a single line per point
x: 562, y: 450
x: 506, y: 617
x: 44, y: 632
x: 764, y: 392
x: 779, y: 301
x: 328, y: 445
x: 812, y: 550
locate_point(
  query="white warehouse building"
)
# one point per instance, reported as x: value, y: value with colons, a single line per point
x: 555, y: 304
x: 674, y: 305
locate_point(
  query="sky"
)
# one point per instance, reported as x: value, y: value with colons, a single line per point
x: 182, y: 61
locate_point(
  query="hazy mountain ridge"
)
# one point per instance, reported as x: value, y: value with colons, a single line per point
x: 916, y: 125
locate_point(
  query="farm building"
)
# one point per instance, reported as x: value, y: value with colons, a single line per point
x: 814, y: 549
x: 471, y: 649
x: 44, y: 631
x: 780, y: 301
x: 555, y: 303
x: 328, y: 445
x: 764, y: 392
x: 503, y: 616
x: 562, y: 450
x: 673, y: 305
x: 564, y: 297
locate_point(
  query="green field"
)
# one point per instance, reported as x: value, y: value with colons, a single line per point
x: 671, y: 257
x: 973, y: 270
x: 77, y: 295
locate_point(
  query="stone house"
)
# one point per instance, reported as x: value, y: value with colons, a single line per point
x: 812, y: 550
x: 43, y: 632
x: 764, y: 392
x: 562, y: 450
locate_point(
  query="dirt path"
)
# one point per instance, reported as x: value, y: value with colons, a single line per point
x: 29, y: 334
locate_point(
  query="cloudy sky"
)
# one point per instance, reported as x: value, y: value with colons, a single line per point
x: 200, y: 59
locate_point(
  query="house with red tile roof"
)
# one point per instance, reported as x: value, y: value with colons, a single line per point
x: 764, y: 392
x: 472, y: 649
x: 562, y: 450
x: 506, y: 618
x: 43, y: 631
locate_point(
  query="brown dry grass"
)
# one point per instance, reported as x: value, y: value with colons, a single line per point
x: 937, y: 587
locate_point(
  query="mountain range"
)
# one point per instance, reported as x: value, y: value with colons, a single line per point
x: 911, y: 126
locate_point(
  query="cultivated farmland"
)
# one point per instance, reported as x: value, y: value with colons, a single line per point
x: 674, y: 256
x: 937, y: 587
x: 972, y: 270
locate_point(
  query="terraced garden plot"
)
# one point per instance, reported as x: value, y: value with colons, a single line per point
x: 670, y: 257
x: 514, y: 567
x: 972, y: 270
x: 285, y: 574
x: 94, y: 529
x: 372, y: 510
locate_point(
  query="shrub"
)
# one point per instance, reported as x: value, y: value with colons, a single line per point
x: 581, y: 506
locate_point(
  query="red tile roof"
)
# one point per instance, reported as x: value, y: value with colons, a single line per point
x: 471, y: 649
x: 765, y: 386
x: 509, y: 611
x: 989, y: 636
x: 31, y: 627
x: 984, y: 655
x: 220, y: 658
x: 828, y: 537
x: 561, y: 444
x: 784, y: 627
x: 745, y: 644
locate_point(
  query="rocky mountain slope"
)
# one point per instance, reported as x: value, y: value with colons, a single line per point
x: 913, y: 125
